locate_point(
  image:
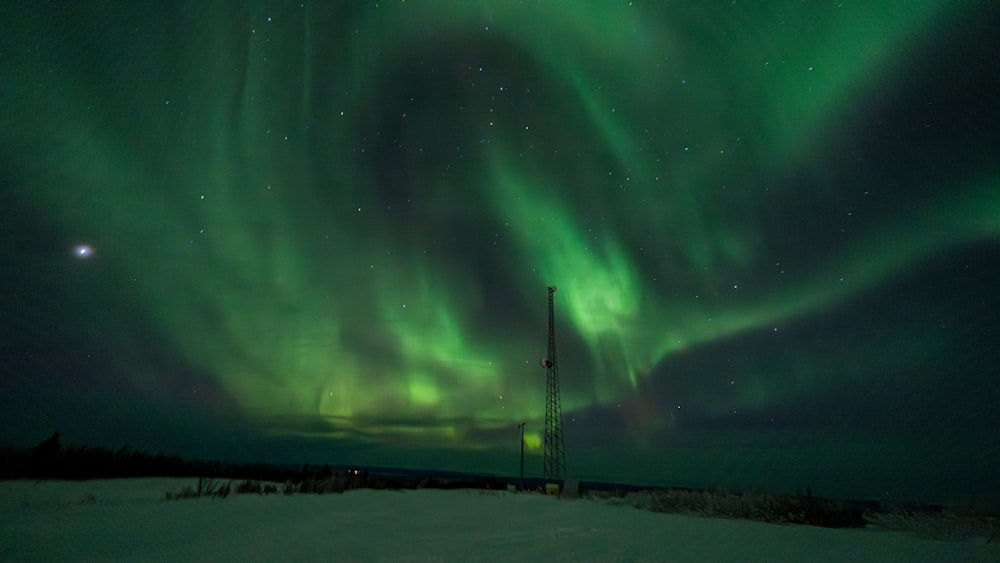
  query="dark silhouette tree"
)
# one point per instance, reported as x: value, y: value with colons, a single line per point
x: 41, y: 458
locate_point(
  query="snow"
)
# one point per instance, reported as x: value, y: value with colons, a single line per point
x: 128, y: 519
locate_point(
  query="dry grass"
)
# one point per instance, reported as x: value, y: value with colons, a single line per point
x: 754, y: 505
x: 949, y: 524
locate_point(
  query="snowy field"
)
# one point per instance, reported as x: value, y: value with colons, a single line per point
x: 128, y: 519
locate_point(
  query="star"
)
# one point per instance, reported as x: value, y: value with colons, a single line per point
x: 83, y: 251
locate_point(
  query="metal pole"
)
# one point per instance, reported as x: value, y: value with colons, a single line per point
x: 522, y: 456
x: 554, y: 462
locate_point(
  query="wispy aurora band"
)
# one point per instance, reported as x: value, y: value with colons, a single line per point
x: 266, y: 298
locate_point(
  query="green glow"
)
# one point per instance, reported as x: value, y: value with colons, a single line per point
x: 252, y: 226
x: 532, y: 441
x: 598, y: 281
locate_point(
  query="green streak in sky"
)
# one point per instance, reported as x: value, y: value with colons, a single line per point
x: 596, y: 279
x: 248, y: 224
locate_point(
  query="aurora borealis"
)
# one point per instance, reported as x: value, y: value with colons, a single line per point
x: 323, y: 231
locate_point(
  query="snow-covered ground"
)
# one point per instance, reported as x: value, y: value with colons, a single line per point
x: 128, y: 519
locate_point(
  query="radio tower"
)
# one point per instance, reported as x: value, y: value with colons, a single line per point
x: 555, y: 451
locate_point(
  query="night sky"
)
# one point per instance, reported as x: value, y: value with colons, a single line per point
x: 323, y: 232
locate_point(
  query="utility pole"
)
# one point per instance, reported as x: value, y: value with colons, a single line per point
x: 555, y: 451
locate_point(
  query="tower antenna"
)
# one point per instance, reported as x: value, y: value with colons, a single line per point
x: 521, y: 426
x: 555, y: 450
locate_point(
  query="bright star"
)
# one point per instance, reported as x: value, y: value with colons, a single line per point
x: 83, y: 251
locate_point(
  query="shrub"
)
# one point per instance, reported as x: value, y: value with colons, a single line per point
x: 206, y: 488
x: 249, y: 487
x: 936, y: 523
x: 754, y: 505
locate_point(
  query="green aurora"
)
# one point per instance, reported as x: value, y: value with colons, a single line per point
x: 330, y: 226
